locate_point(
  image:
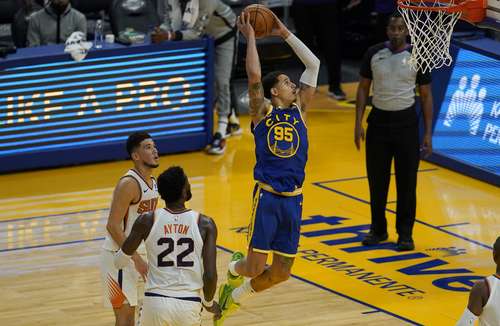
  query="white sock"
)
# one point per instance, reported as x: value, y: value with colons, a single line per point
x: 243, y: 292
x: 232, y: 268
x: 234, y: 119
x: 222, y: 126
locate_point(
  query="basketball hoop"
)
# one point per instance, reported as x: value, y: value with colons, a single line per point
x: 430, y: 24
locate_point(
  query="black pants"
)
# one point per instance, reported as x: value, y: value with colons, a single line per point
x: 320, y: 28
x: 393, y: 134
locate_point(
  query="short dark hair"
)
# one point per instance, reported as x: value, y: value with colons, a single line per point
x: 170, y: 184
x: 269, y: 81
x: 496, y: 245
x: 135, y: 139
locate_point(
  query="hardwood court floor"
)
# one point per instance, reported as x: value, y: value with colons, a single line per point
x: 52, y: 226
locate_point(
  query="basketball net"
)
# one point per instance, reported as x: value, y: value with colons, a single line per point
x: 430, y: 32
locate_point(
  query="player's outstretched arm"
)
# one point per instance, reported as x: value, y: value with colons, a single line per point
x: 254, y: 73
x: 140, y: 231
x: 309, y: 78
x: 209, y: 264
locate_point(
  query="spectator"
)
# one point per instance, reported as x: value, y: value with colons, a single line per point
x: 319, y: 25
x: 55, y: 23
x: 191, y: 19
x: 19, y: 27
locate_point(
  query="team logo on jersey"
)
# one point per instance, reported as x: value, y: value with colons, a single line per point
x: 283, y: 139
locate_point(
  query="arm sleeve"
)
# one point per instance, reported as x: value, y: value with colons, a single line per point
x: 310, y: 75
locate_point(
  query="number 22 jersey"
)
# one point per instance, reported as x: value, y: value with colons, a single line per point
x: 174, y: 248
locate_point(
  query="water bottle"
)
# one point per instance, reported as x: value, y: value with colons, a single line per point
x: 98, y: 34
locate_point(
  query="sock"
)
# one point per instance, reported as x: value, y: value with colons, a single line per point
x: 222, y: 126
x: 243, y: 292
x: 232, y: 268
x: 234, y: 119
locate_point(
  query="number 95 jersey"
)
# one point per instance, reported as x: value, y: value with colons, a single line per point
x: 174, y: 247
x: 281, y: 149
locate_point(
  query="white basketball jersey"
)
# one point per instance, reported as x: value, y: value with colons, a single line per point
x: 491, y: 310
x: 147, y: 203
x: 174, y: 247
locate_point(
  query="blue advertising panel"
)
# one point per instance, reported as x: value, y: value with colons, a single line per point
x: 467, y: 124
x: 60, y: 108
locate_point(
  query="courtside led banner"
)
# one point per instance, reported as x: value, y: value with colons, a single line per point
x: 467, y: 128
x: 67, y: 105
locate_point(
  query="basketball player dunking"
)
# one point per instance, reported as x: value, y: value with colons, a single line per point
x: 135, y: 194
x: 281, y: 150
x: 181, y: 249
x: 484, y: 298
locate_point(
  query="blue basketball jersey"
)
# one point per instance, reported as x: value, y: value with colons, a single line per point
x: 281, y: 149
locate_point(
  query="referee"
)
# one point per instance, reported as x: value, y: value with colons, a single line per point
x: 392, y: 130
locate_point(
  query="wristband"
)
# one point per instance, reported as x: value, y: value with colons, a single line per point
x: 207, y: 304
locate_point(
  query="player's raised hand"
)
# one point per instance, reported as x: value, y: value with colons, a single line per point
x: 279, y: 29
x: 244, y: 26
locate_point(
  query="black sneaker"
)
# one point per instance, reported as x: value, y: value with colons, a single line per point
x: 337, y: 94
x: 218, y: 145
x: 372, y: 239
x: 233, y: 129
x: 406, y: 245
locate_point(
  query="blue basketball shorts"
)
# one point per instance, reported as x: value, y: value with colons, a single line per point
x: 275, y: 224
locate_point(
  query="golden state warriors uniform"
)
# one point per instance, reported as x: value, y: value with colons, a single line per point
x: 281, y: 150
x: 125, y: 285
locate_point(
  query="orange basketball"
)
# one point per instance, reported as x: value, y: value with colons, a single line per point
x: 261, y: 19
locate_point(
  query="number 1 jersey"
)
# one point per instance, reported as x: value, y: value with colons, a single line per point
x: 174, y: 248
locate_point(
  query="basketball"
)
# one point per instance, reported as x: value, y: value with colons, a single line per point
x: 261, y: 19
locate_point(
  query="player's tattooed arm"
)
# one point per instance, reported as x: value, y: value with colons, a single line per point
x: 306, y: 94
x: 257, y: 102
